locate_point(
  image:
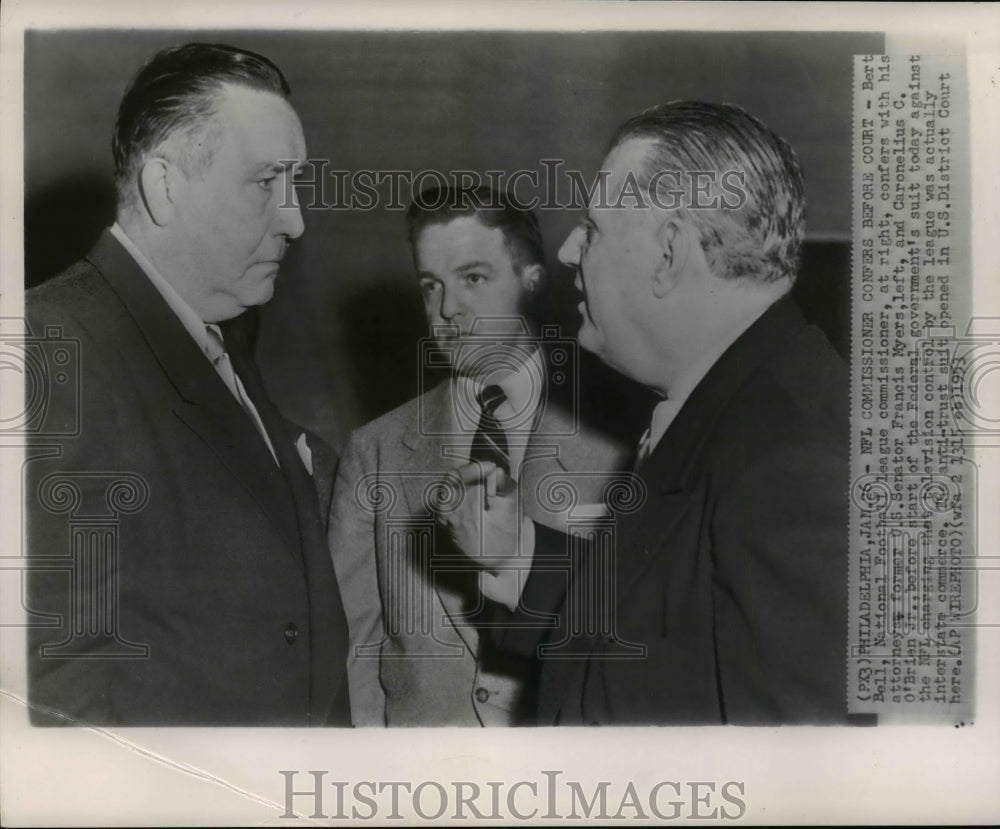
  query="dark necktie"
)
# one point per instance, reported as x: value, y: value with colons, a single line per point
x: 489, y: 442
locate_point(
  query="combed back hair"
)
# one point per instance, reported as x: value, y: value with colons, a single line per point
x: 494, y: 208
x: 761, y: 239
x: 175, y: 96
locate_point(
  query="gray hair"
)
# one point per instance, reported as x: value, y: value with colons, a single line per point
x: 757, y: 232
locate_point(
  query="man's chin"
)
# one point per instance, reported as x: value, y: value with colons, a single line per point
x: 590, y: 340
x: 262, y: 291
x: 266, y: 292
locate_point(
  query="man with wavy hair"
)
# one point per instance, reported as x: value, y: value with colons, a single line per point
x: 724, y: 599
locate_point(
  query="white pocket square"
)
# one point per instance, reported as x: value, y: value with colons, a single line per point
x: 305, y: 453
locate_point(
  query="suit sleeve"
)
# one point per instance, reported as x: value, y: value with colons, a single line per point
x: 779, y: 542
x: 351, y: 535
x: 71, y: 677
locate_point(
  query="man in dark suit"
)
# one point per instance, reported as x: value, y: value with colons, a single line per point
x: 723, y: 598
x: 180, y: 574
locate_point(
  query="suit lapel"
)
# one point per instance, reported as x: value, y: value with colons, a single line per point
x: 328, y: 640
x: 563, y: 452
x: 544, y: 456
x: 203, y: 403
x: 430, y: 447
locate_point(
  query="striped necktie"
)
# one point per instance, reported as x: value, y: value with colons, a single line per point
x: 490, y: 442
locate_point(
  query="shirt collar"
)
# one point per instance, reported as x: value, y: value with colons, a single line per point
x: 522, y: 387
x: 189, y: 318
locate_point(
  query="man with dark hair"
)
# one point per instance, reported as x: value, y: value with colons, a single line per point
x: 189, y: 581
x: 728, y: 594
x: 419, y: 655
x: 493, y: 209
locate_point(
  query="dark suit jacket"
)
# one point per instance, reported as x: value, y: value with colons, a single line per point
x: 198, y: 589
x: 729, y: 589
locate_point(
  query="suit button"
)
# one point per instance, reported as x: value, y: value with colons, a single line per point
x: 482, y: 695
x: 291, y: 633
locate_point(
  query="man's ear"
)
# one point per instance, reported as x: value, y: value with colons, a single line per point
x: 533, y: 278
x: 158, y: 186
x: 674, y: 240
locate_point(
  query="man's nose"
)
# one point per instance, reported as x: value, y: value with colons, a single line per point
x: 569, y: 253
x: 289, y: 220
x: 450, y: 305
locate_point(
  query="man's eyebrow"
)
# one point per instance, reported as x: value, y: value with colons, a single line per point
x: 278, y: 167
x: 474, y: 265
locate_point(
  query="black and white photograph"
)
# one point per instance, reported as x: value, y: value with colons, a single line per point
x: 495, y: 414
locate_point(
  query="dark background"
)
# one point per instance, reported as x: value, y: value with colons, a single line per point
x: 338, y: 343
